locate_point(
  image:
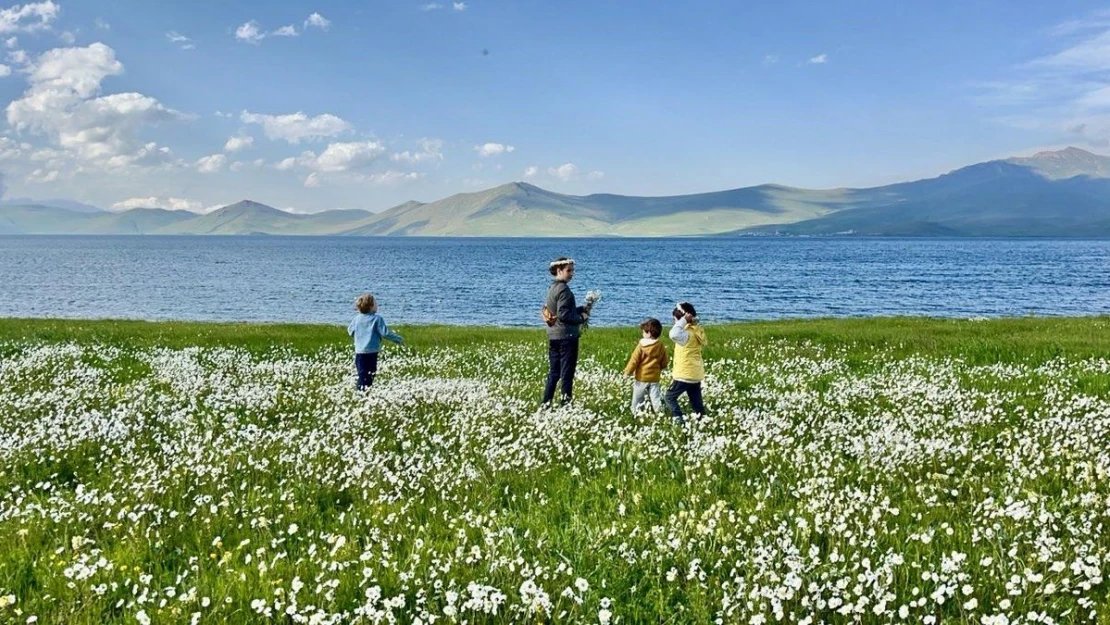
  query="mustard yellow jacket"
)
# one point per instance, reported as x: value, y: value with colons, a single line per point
x: 688, y: 363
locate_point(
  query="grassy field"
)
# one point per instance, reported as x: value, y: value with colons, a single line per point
x: 848, y: 471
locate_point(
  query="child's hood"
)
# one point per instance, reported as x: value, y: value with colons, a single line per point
x: 654, y: 349
x: 648, y: 342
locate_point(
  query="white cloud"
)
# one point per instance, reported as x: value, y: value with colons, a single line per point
x: 342, y: 157
x: 564, y: 172
x: 11, y: 43
x: 595, y: 175
x: 238, y: 142
x: 29, y: 17
x: 184, y: 42
x: 770, y: 59
x: 297, y: 127
x: 250, y: 33
x: 5, y: 70
x: 286, y: 164
x: 19, y: 57
x: 531, y: 171
x: 211, y: 164
x: 431, y: 6
x: 819, y: 59
x: 63, y: 103
x: 67, y: 38
x: 312, y: 181
x: 318, y: 21
x: 257, y: 163
x: 43, y: 176
x: 286, y: 31
x: 487, y: 150
x: 168, y: 203
x: 459, y: 6
x: 224, y: 115
x: 430, y: 150
x: 101, y: 24
x: 391, y: 178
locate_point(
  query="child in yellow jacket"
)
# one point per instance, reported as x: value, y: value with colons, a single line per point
x: 646, y: 365
x: 689, y: 367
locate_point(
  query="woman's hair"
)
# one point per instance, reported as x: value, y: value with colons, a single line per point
x: 559, y: 263
x: 365, y: 303
x: 682, y: 308
x: 653, y: 327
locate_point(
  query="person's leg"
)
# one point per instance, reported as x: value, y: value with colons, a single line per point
x: 656, y: 397
x: 639, y: 389
x: 673, y: 393
x: 555, y: 363
x: 361, y: 368
x: 570, y: 365
x: 371, y: 368
x: 696, y: 405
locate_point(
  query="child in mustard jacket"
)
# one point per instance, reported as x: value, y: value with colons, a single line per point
x: 646, y: 365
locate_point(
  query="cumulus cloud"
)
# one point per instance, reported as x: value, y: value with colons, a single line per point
x: 564, y: 172
x: 249, y: 32
x: 430, y: 150
x: 286, y: 31
x: 819, y: 59
x: 101, y: 24
x: 458, y: 6
x: 487, y: 150
x: 5, y: 70
x: 257, y: 163
x: 431, y: 6
x: 168, y: 203
x: 63, y: 103
x: 318, y: 21
x: 531, y: 171
x: 67, y: 38
x: 297, y: 127
x: 28, y: 18
x: 211, y: 164
x: 346, y: 161
x: 238, y: 142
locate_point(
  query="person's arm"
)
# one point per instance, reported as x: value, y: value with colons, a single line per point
x: 678, y: 333
x: 634, y: 360
x: 666, y: 359
x: 351, y: 327
x: 568, y: 313
x: 389, y: 334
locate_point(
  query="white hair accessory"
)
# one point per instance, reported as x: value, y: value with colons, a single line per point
x: 560, y: 263
x: 679, y: 308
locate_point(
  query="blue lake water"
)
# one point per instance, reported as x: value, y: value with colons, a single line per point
x: 503, y: 281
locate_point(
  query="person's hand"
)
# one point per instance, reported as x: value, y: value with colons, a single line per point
x: 689, y: 317
x: 585, y: 315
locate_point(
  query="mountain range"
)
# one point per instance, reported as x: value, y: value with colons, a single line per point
x: 1053, y: 193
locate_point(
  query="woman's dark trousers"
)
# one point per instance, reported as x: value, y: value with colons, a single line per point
x: 563, y: 357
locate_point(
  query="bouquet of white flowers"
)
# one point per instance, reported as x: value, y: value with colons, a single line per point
x: 592, y: 297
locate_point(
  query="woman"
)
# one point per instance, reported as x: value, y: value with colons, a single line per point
x: 564, y: 320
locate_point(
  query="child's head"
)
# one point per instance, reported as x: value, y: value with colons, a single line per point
x: 682, y: 309
x: 366, y: 304
x: 562, y: 267
x: 651, y: 328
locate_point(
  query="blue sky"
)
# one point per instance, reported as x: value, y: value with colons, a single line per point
x: 372, y: 103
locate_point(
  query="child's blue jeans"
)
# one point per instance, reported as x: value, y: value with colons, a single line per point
x: 367, y: 367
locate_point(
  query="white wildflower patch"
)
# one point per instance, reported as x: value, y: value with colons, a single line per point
x: 223, y: 485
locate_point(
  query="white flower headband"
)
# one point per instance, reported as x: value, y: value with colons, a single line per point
x: 679, y: 307
x: 560, y: 263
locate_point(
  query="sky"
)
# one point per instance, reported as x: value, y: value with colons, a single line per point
x: 365, y: 104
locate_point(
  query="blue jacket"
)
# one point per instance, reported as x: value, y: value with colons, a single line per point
x: 368, y: 331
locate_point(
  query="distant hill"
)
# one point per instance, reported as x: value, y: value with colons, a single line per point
x: 1053, y: 193
x: 71, y: 205
x: 1060, y: 193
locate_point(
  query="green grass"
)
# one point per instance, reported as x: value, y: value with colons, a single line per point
x: 878, y: 461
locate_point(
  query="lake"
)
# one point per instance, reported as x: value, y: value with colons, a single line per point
x: 503, y: 281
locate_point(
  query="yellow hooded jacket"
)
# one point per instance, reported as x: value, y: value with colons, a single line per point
x: 688, y: 363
